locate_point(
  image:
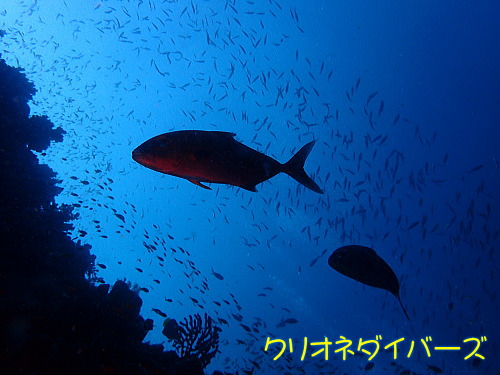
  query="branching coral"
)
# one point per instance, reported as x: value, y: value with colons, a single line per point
x: 194, y: 338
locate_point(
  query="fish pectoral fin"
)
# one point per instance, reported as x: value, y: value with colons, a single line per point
x: 196, y: 182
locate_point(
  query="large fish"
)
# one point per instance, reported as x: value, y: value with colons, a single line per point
x: 364, y: 265
x: 214, y: 156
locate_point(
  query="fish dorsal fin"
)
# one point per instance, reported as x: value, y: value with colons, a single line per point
x: 196, y: 182
x: 225, y: 134
x: 249, y: 187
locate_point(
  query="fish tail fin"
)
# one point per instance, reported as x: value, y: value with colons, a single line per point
x: 295, y: 168
x: 404, y: 310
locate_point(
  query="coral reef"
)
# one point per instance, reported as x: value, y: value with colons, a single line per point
x: 195, y: 339
x: 53, y: 318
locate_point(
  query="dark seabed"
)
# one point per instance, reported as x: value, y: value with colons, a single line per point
x: 403, y: 103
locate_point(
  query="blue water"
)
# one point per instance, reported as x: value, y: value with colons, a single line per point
x: 415, y: 178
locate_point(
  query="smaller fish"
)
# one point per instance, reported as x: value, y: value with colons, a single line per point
x: 435, y: 369
x: 217, y: 275
x: 121, y: 217
x: 284, y: 322
x: 314, y: 261
x: 238, y: 317
x: 381, y: 108
x: 369, y: 366
x: 413, y: 225
x: 476, y: 168
x: 159, y: 312
x: 246, y: 328
x: 370, y: 97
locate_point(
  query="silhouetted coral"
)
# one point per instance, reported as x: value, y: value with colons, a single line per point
x: 194, y: 338
x: 53, y: 319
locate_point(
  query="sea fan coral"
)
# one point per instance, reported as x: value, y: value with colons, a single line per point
x: 194, y: 338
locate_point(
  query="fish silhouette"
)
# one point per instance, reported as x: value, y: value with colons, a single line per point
x: 213, y: 156
x: 364, y: 265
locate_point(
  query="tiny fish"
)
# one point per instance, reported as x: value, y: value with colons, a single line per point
x: 159, y: 312
x: 246, y: 328
x: 120, y: 216
x: 381, y: 108
x: 476, y: 168
x: 238, y: 317
x: 217, y: 275
x: 284, y: 322
x: 435, y: 369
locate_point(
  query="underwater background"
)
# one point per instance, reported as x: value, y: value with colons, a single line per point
x: 403, y: 101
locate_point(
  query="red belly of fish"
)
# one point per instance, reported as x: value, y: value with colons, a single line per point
x: 207, y: 172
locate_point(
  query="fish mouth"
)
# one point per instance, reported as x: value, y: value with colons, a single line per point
x: 136, y: 155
